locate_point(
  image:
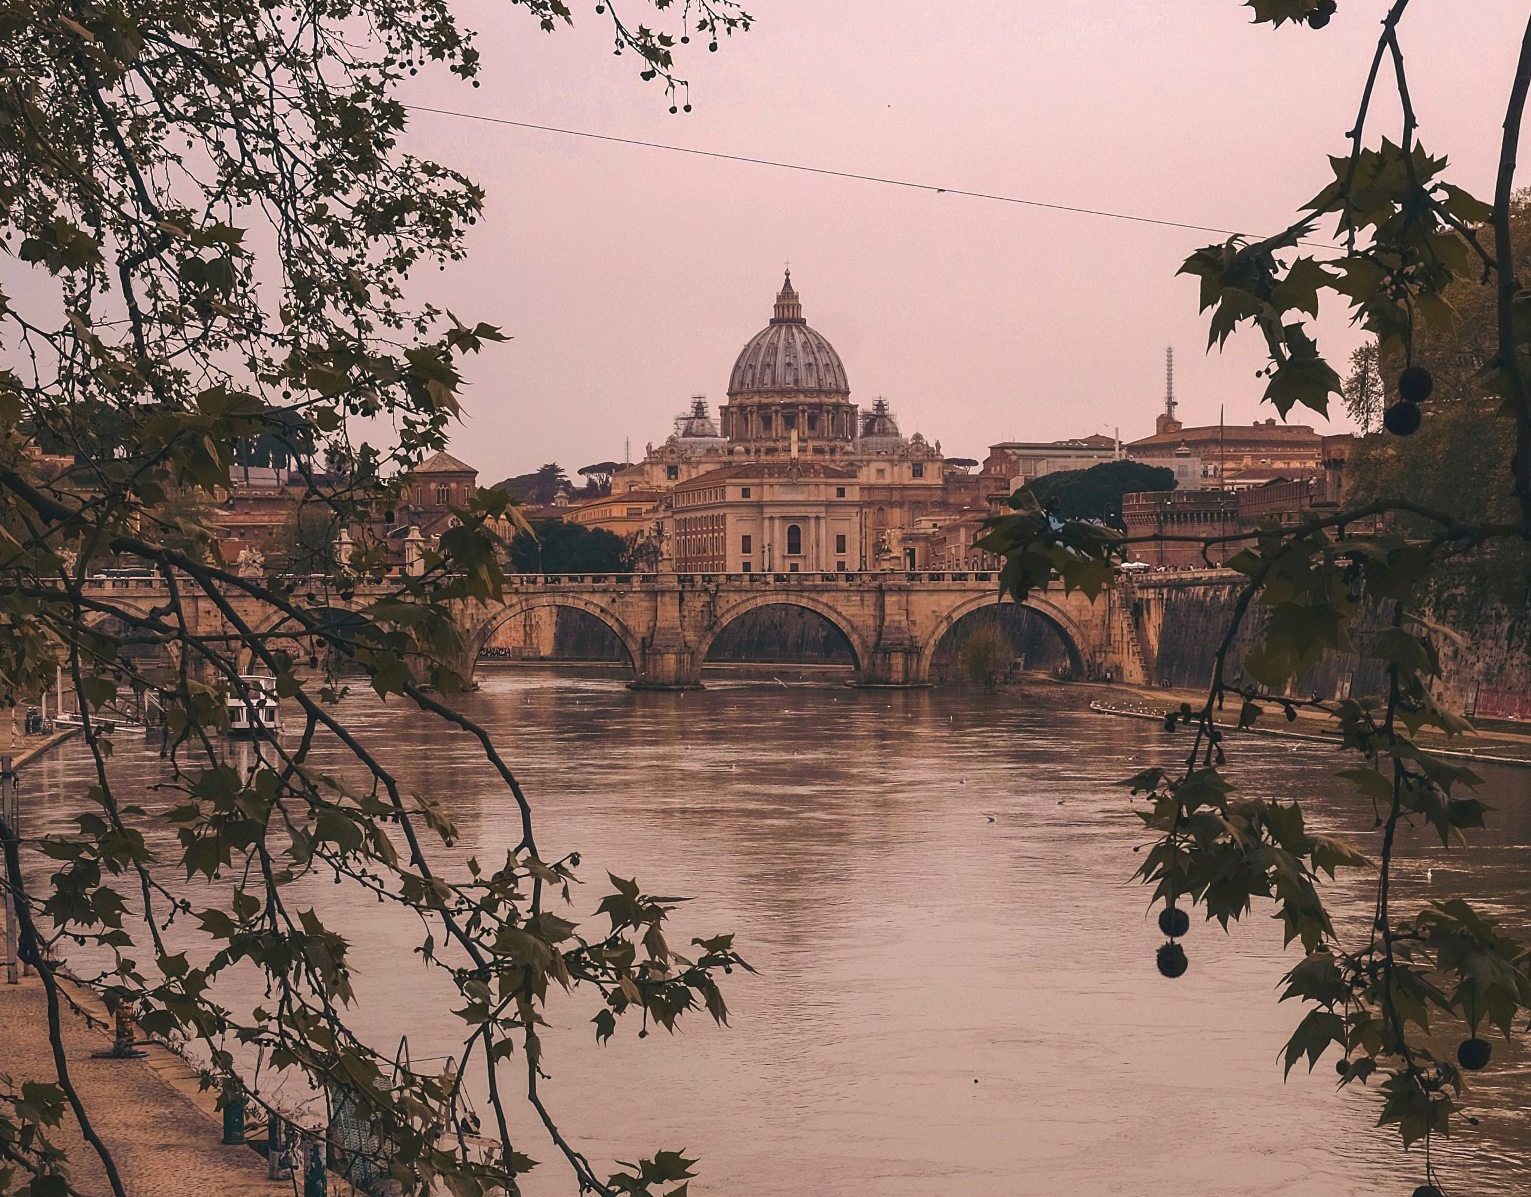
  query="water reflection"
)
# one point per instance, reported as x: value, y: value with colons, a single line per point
x: 957, y: 993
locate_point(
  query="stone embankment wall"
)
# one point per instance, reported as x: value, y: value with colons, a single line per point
x: 1181, y: 617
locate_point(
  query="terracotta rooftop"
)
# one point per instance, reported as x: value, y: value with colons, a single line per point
x: 1270, y: 433
x: 442, y: 463
x: 646, y: 495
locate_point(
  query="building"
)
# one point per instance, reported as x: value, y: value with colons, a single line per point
x: 790, y: 449
x: 788, y: 393
x: 632, y: 512
x: 1223, y: 454
x: 268, y: 515
x: 1181, y: 513
x: 1030, y: 460
x: 1227, y: 456
x: 1255, y: 497
x: 790, y: 516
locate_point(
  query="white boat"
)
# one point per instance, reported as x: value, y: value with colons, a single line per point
x: 101, y: 722
x: 253, y: 713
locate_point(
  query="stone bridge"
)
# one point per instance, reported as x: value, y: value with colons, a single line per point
x: 893, y: 620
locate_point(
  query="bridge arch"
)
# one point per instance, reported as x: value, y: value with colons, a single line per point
x: 631, y: 644
x: 1069, y: 632
x: 861, y: 651
x: 286, y: 633
x: 117, y: 624
x: 94, y: 618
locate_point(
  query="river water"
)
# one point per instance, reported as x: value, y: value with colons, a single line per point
x: 957, y: 992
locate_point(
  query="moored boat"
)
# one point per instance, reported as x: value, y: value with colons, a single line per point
x: 253, y: 711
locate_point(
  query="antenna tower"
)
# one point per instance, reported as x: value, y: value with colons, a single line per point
x: 1169, y: 383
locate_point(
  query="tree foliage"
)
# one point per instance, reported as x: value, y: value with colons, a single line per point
x: 1459, y: 461
x: 1096, y: 493
x: 1431, y: 272
x: 556, y: 547
x: 541, y: 486
x: 308, y: 542
x: 985, y: 654
x: 1364, y: 389
x: 212, y: 217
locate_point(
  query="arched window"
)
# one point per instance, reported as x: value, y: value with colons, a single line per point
x: 794, y: 540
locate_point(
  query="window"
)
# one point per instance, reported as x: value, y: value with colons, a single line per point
x: 792, y: 569
x: 765, y: 421
x: 794, y: 540
x: 840, y: 567
x: 746, y: 545
x: 840, y: 542
x: 748, y: 568
x: 634, y: 512
x: 881, y: 473
x: 839, y: 492
x: 443, y: 494
x: 744, y: 492
x: 919, y: 469
x: 813, y: 421
x: 672, y: 472
x: 789, y: 420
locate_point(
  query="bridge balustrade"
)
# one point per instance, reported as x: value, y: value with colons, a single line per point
x: 144, y: 583
x: 764, y: 578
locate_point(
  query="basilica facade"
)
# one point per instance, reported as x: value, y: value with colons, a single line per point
x: 792, y: 476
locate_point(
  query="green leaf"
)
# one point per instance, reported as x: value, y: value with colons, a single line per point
x: 97, y: 691
x: 1312, y: 1038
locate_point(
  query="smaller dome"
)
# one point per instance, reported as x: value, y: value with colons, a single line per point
x: 879, y: 430
x: 697, y: 430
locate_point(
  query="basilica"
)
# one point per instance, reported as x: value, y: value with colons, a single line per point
x: 794, y: 477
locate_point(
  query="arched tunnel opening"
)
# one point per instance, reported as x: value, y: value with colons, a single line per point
x: 999, y: 643
x: 782, y: 634
x: 552, y: 633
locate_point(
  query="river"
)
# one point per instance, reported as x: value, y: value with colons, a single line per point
x: 957, y: 992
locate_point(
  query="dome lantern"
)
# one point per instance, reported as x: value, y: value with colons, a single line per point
x: 789, y: 310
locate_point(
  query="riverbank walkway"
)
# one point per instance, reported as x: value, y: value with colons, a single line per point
x: 1495, y: 741
x: 162, y: 1132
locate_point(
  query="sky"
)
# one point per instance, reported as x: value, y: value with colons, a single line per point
x: 629, y: 278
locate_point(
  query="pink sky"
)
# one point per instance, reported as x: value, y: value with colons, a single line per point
x: 629, y: 278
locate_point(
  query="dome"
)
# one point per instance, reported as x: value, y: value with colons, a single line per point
x: 696, y: 430
x: 787, y: 357
x: 879, y: 430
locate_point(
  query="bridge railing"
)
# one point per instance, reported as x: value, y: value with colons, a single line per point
x: 763, y: 579
x: 157, y: 584
x: 118, y: 582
